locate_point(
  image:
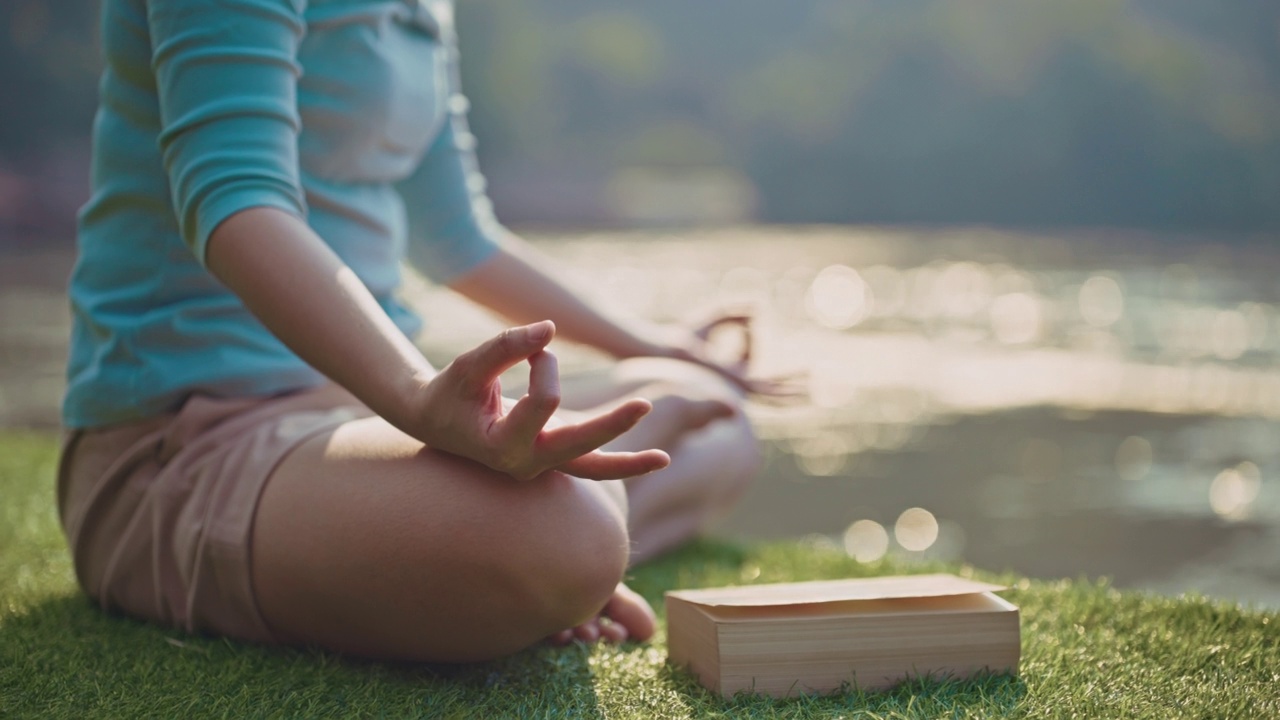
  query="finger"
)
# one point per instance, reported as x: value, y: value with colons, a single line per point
x: 495, y: 356
x: 745, y: 356
x: 779, y: 391
x: 530, y: 414
x: 744, y: 322
x: 791, y: 383
x: 704, y: 330
x: 615, y: 465
x: 564, y: 443
x: 737, y: 376
x: 564, y: 637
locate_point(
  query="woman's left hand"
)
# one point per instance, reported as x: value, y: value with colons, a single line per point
x: 694, y: 344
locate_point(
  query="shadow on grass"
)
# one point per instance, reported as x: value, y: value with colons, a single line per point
x: 710, y: 563
x: 984, y: 695
x: 62, y: 657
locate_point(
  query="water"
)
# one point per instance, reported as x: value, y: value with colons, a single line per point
x: 1058, y: 405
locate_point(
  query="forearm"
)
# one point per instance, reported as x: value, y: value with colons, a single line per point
x: 304, y: 294
x: 516, y: 283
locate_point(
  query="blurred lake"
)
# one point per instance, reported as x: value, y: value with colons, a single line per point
x: 1058, y: 404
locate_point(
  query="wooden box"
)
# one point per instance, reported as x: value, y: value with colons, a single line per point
x: 813, y: 637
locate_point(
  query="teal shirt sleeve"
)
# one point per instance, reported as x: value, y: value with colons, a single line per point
x: 226, y: 77
x: 451, y: 226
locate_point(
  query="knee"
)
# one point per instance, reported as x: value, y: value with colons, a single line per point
x: 582, y: 558
x: 739, y: 453
x: 733, y: 438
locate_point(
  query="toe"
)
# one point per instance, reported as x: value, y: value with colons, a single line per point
x: 588, y: 632
x: 629, y: 609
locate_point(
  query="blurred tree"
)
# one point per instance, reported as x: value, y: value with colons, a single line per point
x: 50, y: 65
x: 1133, y: 112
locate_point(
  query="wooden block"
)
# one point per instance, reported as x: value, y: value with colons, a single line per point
x: 872, y: 633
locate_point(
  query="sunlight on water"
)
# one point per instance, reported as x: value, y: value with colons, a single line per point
x: 1256, y: 316
x: 888, y: 288
x: 905, y: 343
x: 1040, y: 460
x: 1133, y: 458
x: 916, y: 529
x: 838, y: 298
x: 1030, y: 385
x: 1073, y: 404
x: 745, y: 286
x: 1230, y: 334
x: 866, y: 541
x: 1101, y: 301
x: 1234, y: 489
x: 823, y: 454
x: 962, y: 290
x: 1017, y: 318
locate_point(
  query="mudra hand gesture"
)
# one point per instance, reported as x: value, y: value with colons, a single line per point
x: 462, y: 411
x: 694, y: 344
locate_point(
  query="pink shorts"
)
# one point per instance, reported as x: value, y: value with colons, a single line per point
x: 159, y: 513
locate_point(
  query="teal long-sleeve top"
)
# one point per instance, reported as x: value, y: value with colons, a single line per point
x: 345, y: 113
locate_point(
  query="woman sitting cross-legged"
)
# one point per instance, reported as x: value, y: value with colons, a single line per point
x: 257, y: 449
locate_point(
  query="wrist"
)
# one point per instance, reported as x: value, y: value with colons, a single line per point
x: 406, y: 404
x: 649, y: 340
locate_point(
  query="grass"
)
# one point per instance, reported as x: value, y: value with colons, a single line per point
x: 1089, y: 651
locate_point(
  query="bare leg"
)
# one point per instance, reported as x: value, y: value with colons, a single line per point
x: 699, y: 420
x: 368, y: 543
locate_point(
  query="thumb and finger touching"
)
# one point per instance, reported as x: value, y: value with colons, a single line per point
x: 522, y: 438
x: 740, y: 320
x: 506, y: 350
x: 780, y: 389
x: 531, y: 413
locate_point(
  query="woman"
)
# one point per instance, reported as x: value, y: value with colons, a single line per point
x: 256, y: 448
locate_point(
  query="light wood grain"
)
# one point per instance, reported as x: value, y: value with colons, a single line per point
x: 810, y: 647
x: 907, y: 586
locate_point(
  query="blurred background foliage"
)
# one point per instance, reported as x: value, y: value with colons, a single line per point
x: 1146, y: 113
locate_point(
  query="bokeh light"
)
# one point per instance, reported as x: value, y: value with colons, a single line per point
x: 916, y: 529
x: 866, y: 541
x: 1133, y: 458
x: 746, y: 287
x: 1256, y: 315
x: 1230, y: 335
x: 822, y: 454
x: 830, y: 383
x: 963, y: 289
x: 888, y: 288
x: 921, y: 299
x: 838, y: 298
x: 1101, y: 301
x: 1234, y: 489
x: 1017, y: 318
x: 951, y: 541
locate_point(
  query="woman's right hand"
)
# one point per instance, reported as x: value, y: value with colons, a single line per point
x: 461, y: 410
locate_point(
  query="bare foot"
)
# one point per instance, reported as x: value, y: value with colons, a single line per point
x: 672, y: 416
x: 626, y: 616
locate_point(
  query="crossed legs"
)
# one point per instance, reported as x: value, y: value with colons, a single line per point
x: 698, y: 419
x: 368, y: 543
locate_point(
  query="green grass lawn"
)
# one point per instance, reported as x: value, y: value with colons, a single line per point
x: 1088, y: 650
